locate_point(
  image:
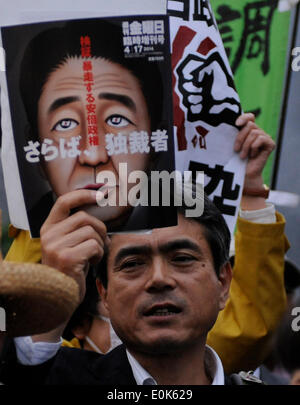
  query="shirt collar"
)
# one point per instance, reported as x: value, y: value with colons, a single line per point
x: 142, y: 377
x: 213, y: 366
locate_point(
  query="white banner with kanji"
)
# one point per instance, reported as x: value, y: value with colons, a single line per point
x: 205, y: 104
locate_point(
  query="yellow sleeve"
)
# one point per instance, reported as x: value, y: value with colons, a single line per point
x: 23, y: 248
x: 243, y: 331
x: 72, y: 343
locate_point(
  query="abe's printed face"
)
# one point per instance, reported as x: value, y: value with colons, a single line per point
x: 163, y: 293
x: 63, y: 117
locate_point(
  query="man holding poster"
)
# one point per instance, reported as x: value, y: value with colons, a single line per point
x: 242, y: 326
x: 163, y: 291
x: 201, y: 132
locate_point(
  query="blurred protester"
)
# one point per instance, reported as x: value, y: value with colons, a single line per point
x: 272, y: 371
x: 90, y: 327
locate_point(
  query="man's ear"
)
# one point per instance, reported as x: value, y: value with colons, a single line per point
x: 225, y: 278
x: 102, y: 292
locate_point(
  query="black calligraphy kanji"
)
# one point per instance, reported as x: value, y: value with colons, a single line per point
x: 257, y: 112
x: 196, y: 77
x: 216, y: 175
x: 202, y: 11
x: 184, y: 13
x: 227, y: 15
x: 256, y: 34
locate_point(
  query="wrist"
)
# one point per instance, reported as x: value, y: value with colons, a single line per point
x: 255, y: 193
x: 253, y: 182
x: 252, y: 203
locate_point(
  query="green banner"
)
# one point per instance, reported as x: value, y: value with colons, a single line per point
x: 255, y: 36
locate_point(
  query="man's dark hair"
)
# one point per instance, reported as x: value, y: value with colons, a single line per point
x: 50, y: 49
x: 216, y: 233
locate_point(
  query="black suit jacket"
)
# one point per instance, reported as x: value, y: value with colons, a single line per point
x: 69, y: 367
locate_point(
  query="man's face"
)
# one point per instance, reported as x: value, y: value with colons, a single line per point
x: 163, y: 293
x: 63, y: 117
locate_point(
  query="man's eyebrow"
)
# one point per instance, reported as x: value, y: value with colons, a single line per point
x: 62, y: 101
x: 164, y: 248
x: 131, y: 250
x: 181, y: 244
x: 121, y: 98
